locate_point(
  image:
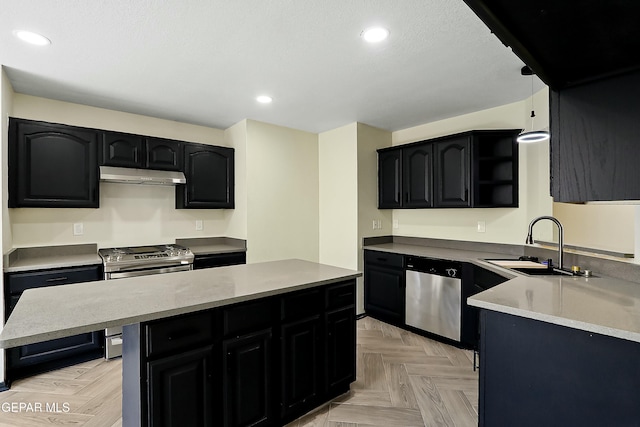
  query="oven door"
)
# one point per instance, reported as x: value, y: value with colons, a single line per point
x: 113, y: 336
x: 147, y: 271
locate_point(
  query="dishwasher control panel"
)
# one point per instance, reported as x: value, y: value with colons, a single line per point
x: 436, y: 267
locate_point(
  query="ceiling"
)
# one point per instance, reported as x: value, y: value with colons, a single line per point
x: 205, y: 61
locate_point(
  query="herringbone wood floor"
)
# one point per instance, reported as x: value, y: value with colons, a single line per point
x: 403, y: 379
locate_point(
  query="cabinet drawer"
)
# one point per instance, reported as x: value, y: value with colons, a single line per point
x: 219, y: 260
x: 341, y: 295
x: 19, y: 282
x: 301, y: 304
x: 384, y: 258
x: 178, y: 333
x: 247, y: 317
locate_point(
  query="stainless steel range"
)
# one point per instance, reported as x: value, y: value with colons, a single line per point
x: 140, y: 261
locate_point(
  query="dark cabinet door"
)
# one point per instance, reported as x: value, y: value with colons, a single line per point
x: 209, y: 171
x: 52, y: 165
x: 453, y: 177
x: 418, y: 176
x: 246, y: 380
x: 122, y: 150
x: 46, y: 355
x: 219, y: 260
x: 300, y: 357
x: 180, y: 389
x: 163, y: 154
x: 390, y: 179
x: 340, y: 349
x: 384, y: 293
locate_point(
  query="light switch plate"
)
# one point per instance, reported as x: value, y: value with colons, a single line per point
x: 482, y: 227
x: 198, y: 225
x: 78, y: 229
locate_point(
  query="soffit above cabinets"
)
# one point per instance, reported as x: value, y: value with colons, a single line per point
x: 567, y: 42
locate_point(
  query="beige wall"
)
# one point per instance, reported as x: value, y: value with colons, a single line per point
x: 338, y: 159
x: 503, y: 225
x: 236, y: 137
x: 128, y: 214
x: 606, y: 227
x: 282, y: 193
x: 6, y: 106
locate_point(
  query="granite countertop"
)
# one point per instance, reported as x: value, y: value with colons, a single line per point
x: 46, y: 257
x: 55, y: 312
x: 602, y: 305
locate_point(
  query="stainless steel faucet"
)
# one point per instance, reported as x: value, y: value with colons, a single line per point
x: 560, y: 236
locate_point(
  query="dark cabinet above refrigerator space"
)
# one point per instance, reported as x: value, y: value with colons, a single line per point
x: 567, y: 43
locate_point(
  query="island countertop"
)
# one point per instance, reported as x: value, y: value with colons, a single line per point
x: 55, y: 312
x: 598, y: 304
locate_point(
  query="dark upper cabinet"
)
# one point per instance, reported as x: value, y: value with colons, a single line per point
x: 52, y: 165
x: 472, y: 169
x: 210, y: 178
x: 163, y: 154
x: 568, y: 42
x: 453, y: 172
x: 594, y: 141
x: 390, y: 179
x: 122, y: 150
x: 135, y: 151
x: 418, y: 176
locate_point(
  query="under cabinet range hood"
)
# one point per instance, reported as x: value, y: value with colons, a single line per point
x: 141, y: 176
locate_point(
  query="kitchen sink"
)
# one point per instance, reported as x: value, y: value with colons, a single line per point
x: 543, y: 271
x: 528, y: 266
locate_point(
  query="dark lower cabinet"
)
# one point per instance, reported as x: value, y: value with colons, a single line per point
x: 52, y: 165
x: 300, y: 365
x: 222, y: 366
x: 384, y: 286
x: 44, y: 356
x: 246, y: 379
x: 181, y: 389
x: 219, y: 260
x: 341, y: 336
x: 534, y: 373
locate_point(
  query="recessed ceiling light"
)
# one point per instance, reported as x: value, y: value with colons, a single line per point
x: 32, y: 38
x: 375, y: 34
x: 264, y: 99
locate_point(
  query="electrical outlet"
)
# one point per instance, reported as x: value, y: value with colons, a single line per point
x: 198, y: 225
x: 78, y: 229
x: 481, y: 227
x: 395, y: 223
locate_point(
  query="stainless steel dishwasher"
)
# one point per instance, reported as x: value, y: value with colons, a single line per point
x: 434, y: 296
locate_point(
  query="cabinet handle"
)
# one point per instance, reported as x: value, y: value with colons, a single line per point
x: 56, y: 279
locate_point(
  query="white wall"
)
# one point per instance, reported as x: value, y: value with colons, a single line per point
x: 282, y: 193
x: 236, y: 137
x: 128, y: 214
x: 503, y: 225
x: 6, y: 105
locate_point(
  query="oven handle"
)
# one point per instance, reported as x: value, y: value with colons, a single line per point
x: 148, y: 272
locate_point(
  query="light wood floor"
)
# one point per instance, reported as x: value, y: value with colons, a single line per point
x: 403, y: 379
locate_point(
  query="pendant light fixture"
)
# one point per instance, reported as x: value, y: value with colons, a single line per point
x: 531, y: 135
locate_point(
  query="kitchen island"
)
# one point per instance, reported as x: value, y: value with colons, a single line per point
x: 255, y: 344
